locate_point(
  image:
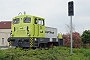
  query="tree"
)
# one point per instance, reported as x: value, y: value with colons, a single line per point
x: 75, y: 39
x: 68, y: 28
x: 85, y: 37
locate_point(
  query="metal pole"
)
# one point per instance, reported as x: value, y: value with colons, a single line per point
x: 71, y: 33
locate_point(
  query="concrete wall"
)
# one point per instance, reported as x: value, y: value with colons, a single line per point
x: 4, y: 34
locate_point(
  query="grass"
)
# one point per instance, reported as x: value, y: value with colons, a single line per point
x: 57, y: 53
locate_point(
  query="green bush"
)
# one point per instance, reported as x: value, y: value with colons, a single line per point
x: 85, y: 37
x: 55, y: 53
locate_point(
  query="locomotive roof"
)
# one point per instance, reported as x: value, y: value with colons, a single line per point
x: 28, y: 15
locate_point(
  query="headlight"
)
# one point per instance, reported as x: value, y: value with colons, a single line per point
x: 28, y: 34
x: 10, y: 34
x: 35, y: 39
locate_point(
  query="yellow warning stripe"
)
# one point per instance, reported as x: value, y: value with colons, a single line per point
x: 10, y: 43
x: 31, y: 42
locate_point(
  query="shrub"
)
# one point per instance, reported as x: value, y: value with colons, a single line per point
x: 86, y: 37
x: 76, y: 40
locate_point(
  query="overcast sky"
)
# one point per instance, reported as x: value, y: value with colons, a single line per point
x: 55, y: 12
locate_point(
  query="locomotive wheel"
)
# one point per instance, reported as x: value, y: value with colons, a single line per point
x: 40, y: 46
x: 46, y: 46
x: 43, y: 45
x: 34, y: 48
x: 50, y: 45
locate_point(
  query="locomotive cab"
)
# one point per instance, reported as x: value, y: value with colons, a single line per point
x: 27, y: 26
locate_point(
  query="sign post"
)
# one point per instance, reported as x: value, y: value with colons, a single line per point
x: 70, y: 13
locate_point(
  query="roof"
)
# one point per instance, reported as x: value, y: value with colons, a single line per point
x: 5, y: 25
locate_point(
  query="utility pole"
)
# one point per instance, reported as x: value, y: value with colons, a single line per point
x: 71, y: 34
x: 70, y: 13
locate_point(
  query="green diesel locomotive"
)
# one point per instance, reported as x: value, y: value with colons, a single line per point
x: 30, y: 31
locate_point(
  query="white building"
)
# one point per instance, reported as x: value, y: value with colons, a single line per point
x: 5, y: 29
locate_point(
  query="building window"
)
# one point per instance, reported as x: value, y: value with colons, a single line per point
x: 2, y: 40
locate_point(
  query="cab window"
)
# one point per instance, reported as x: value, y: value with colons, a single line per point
x: 16, y: 21
x: 41, y: 22
x: 27, y: 20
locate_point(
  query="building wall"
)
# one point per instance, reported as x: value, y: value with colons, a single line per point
x: 4, y: 34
